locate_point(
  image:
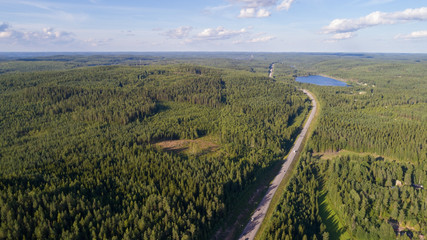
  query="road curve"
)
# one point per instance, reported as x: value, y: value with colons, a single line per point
x: 256, y: 219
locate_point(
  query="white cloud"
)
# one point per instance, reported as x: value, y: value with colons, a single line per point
x: 179, y: 33
x: 342, y: 36
x: 5, y: 34
x: 260, y: 8
x: 45, y: 39
x: 286, y: 4
x: 98, y: 42
x: 219, y: 33
x: 263, y: 13
x: 417, y: 14
x: 376, y: 18
x: 261, y: 39
x: 413, y: 35
x: 254, y: 38
x: 50, y: 33
x: 252, y: 13
x: 247, y: 13
x: 256, y: 3
x: 45, y: 36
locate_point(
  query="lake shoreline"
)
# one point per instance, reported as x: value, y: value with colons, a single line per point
x: 321, y: 80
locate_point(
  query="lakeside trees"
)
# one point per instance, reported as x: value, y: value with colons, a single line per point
x: 381, y: 120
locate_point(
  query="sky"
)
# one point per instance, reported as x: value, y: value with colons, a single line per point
x: 398, y: 26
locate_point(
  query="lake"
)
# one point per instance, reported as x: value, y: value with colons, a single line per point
x: 322, y: 81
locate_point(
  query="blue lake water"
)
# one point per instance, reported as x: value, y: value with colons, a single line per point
x: 322, y: 81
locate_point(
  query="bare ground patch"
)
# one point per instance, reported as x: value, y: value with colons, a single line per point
x: 188, y: 146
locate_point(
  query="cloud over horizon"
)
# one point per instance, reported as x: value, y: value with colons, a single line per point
x: 179, y: 33
x: 261, y: 39
x: 46, y: 34
x: 342, y: 36
x: 220, y: 33
x: 260, y: 8
x: 226, y: 25
x: 46, y: 38
x: 413, y: 35
x: 345, y: 28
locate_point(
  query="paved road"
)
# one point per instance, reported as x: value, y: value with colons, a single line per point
x: 256, y: 219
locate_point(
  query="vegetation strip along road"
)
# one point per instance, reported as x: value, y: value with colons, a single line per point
x: 256, y: 219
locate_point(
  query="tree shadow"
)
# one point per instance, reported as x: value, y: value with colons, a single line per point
x: 332, y: 225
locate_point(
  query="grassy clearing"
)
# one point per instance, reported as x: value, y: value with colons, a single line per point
x: 204, y: 145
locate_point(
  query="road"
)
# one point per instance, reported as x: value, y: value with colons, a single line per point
x: 256, y: 219
x: 271, y: 71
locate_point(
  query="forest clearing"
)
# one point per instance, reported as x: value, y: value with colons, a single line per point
x: 188, y: 146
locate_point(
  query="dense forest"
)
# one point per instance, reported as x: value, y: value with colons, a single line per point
x: 78, y: 149
x: 367, y: 198
x: 81, y: 155
x: 297, y: 215
x: 367, y: 153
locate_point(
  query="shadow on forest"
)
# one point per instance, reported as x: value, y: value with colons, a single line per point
x: 286, y: 145
x: 332, y: 225
x: 160, y: 107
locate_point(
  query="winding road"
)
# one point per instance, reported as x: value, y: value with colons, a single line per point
x: 256, y: 219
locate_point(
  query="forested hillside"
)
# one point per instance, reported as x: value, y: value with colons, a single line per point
x: 81, y: 153
x: 367, y: 155
x: 78, y: 153
x: 383, y: 113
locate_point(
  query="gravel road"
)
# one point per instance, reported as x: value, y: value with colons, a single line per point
x: 256, y: 219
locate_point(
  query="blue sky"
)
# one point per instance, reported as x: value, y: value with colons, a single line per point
x: 221, y: 25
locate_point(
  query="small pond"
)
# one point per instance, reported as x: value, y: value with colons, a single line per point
x: 322, y: 81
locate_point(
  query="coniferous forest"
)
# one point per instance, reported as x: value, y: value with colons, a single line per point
x: 83, y: 156
x: 78, y: 149
x: 363, y: 171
